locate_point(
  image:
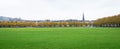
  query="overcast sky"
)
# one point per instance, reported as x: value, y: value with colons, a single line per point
x: 59, y: 9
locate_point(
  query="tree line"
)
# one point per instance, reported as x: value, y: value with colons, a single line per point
x: 41, y: 24
x: 111, y: 21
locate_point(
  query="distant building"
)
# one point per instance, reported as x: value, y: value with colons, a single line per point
x: 83, y: 18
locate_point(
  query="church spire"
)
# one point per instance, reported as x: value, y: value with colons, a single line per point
x: 83, y: 19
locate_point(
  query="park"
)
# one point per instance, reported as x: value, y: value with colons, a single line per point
x: 59, y: 24
x: 103, y: 33
x: 60, y: 38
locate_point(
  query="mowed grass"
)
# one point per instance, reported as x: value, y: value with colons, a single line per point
x: 59, y: 38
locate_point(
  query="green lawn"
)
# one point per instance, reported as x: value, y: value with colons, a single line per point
x: 59, y: 38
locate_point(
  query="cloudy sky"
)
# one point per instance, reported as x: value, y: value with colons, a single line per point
x: 59, y: 9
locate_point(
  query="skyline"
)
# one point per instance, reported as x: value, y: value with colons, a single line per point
x: 59, y: 9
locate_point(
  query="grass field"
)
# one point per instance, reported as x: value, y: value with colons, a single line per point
x: 59, y: 38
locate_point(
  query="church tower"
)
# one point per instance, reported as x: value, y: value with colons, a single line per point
x: 83, y: 18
